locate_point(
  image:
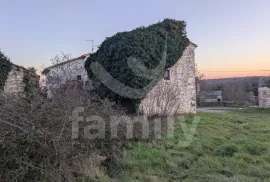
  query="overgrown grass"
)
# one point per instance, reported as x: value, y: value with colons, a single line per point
x: 226, y: 147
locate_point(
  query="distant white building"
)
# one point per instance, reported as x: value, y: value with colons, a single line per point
x: 212, y: 96
x: 67, y: 72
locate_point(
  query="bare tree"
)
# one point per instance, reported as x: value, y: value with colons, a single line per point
x: 62, y: 78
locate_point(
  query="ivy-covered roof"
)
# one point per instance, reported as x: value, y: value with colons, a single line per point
x: 5, y: 68
x: 145, y: 46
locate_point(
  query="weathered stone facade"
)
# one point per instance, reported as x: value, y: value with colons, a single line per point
x: 176, y: 95
x: 70, y: 72
x: 15, y: 81
x: 264, y: 97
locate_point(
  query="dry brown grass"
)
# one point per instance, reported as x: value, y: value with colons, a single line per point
x: 36, y: 141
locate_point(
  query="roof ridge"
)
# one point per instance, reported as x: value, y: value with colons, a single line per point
x: 68, y: 61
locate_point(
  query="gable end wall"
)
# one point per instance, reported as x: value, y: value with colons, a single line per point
x: 264, y: 97
x: 177, y: 95
x: 14, y: 82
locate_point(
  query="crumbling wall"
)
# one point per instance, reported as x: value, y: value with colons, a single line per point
x: 14, y: 82
x: 264, y: 97
x: 21, y: 81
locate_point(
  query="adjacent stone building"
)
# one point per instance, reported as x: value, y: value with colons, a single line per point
x: 176, y: 92
x: 18, y: 79
x: 264, y: 97
x: 66, y: 73
x: 14, y: 82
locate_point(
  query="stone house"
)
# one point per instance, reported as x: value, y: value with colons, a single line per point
x: 16, y: 81
x: 70, y: 72
x: 264, y: 97
x: 176, y: 92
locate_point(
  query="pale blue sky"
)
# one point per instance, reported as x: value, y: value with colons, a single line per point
x: 231, y: 34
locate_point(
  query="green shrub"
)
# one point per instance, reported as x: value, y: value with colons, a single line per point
x: 23, y: 156
x: 147, y: 45
x: 31, y: 82
x: 5, y: 67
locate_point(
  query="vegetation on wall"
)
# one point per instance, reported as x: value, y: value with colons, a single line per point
x: 5, y: 67
x: 147, y: 45
x: 30, y: 80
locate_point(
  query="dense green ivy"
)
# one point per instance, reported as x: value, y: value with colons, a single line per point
x: 146, y: 45
x: 5, y: 68
x: 31, y: 82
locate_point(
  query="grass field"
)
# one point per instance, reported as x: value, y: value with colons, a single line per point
x: 226, y: 147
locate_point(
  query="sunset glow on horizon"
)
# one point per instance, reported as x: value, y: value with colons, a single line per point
x: 233, y: 37
x: 232, y: 74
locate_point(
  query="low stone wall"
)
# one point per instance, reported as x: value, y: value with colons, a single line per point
x: 264, y: 97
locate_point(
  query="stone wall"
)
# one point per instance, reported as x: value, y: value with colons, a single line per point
x: 176, y: 95
x: 14, y: 82
x: 264, y: 97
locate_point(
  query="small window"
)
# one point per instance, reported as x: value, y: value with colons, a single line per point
x: 79, y: 77
x: 167, y: 75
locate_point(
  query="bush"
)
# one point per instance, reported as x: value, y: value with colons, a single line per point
x: 147, y: 45
x: 36, y: 141
x: 5, y: 67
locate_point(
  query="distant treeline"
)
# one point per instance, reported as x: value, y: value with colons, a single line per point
x: 236, y: 89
